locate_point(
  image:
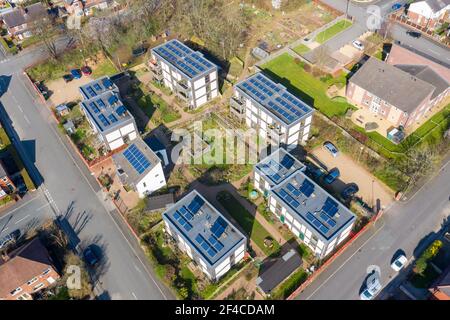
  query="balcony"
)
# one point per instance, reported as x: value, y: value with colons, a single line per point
x: 275, y: 135
x: 182, y: 86
x: 237, y: 107
x: 155, y: 69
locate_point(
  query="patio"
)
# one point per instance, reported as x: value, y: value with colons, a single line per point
x: 362, y: 116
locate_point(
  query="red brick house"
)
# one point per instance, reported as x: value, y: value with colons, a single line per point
x: 400, y: 94
x: 86, y: 7
x: 429, y: 14
x: 18, y: 21
x: 25, y: 271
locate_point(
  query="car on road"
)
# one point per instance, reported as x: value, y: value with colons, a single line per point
x: 358, y: 45
x: 87, y: 71
x: 76, y: 73
x: 373, y: 287
x: 349, y: 191
x: 67, y: 77
x: 331, y: 148
x: 332, y: 176
x: 399, y: 262
x: 413, y: 34
x: 90, y: 257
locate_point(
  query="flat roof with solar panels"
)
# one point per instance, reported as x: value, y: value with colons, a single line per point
x: 191, y: 63
x: 304, y: 198
x: 136, y: 161
x: 205, y: 229
x: 107, y: 110
x: 274, y: 98
x: 97, y: 87
x: 278, y: 166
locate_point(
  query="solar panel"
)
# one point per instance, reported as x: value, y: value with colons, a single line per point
x: 196, y: 204
x: 103, y: 119
x: 90, y: 91
x: 100, y: 103
x: 219, y: 227
x: 94, y: 107
x: 112, y: 100
x: 121, y: 110
x: 107, y: 83
x: 97, y: 87
x: 316, y: 223
x: 307, y: 188
x: 287, y: 162
x: 136, y: 158
x: 205, y: 245
x: 112, y: 118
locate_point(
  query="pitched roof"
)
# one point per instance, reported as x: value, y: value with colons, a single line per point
x: 392, y: 84
x: 428, y: 75
x: 160, y: 202
x: 20, y: 16
x: 24, y: 264
x: 437, y: 5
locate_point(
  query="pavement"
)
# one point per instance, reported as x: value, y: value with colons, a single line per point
x: 66, y: 185
x: 408, y: 226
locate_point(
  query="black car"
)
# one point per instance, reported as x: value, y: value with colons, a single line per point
x: 67, y: 77
x: 139, y: 51
x: 413, y: 34
x: 90, y: 257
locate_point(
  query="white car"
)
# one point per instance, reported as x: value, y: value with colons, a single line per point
x: 373, y: 287
x: 399, y: 263
x: 358, y: 45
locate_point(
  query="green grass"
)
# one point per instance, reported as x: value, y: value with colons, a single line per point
x: 301, y: 49
x: 11, y: 49
x: 248, y: 222
x: 292, y: 75
x: 106, y: 68
x: 330, y: 32
x: 30, y: 41
x: 155, y: 107
x: 289, y: 285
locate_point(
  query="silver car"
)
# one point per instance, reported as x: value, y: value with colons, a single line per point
x: 373, y: 287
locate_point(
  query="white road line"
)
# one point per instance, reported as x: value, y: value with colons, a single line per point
x: 431, y: 50
x: 342, y: 265
x: 21, y: 206
x: 132, y: 293
x: 20, y: 220
x: 26, y: 119
x: 42, y: 207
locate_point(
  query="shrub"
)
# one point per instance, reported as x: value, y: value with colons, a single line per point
x: 428, y: 254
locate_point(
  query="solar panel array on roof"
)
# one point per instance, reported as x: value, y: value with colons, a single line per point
x: 288, y: 199
x: 121, y: 110
x: 136, y: 158
x: 103, y: 119
x: 107, y: 83
x: 206, y: 245
x: 196, y: 204
x: 276, y: 100
x: 219, y: 227
x: 182, y: 221
x: 271, y: 170
x: 185, y: 59
x: 316, y: 223
x: 330, y: 207
x: 307, y: 188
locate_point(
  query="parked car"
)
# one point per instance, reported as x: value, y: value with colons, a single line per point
x: 373, y: 287
x: 413, y: 34
x: 331, y: 148
x: 139, y: 51
x: 90, y: 257
x: 332, y: 176
x: 399, y: 262
x: 67, y: 77
x: 349, y: 191
x: 87, y: 71
x: 76, y: 73
x: 314, y: 172
x: 358, y: 45
x: 9, y: 238
x: 42, y: 89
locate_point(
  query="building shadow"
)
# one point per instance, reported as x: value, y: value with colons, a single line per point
x: 26, y: 150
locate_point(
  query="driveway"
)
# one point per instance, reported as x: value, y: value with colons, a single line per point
x: 370, y: 189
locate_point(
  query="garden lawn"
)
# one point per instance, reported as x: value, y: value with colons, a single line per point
x: 248, y: 222
x: 286, y: 70
x: 105, y: 68
x: 330, y: 32
x: 301, y: 49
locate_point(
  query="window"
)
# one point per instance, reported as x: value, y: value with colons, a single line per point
x: 16, y: 291
x: 144, y: 184
x: 46, y: 272
x: 157, y: 175
x: 24, y: 296
x: 32, y: 281
x: 39, y: 286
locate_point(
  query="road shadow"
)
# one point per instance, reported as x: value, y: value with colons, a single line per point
x: 4, y: 84
x: 26, y: 153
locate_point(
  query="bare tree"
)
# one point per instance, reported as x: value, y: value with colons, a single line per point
x: 47, y: 32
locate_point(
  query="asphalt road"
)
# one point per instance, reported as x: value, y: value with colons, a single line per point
x: 362, y: 18
x: 70, y: 190
x: 408, y: 226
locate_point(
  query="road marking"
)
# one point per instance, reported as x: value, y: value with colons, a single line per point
x: 342, y: 265
x: 20, y: 220
x: 132, y: 293
x: 21, y: 206
x: 107, y: 211
x: 26, y: 119
x: 431, y: 50
x: 42, y: 207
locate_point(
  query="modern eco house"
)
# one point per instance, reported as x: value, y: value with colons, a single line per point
x: 310, y: 212
x: 140, y: 168
x: 279, y: 116
x: 205, y: 235
x: 106, y: 113
x: 184, y: 71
